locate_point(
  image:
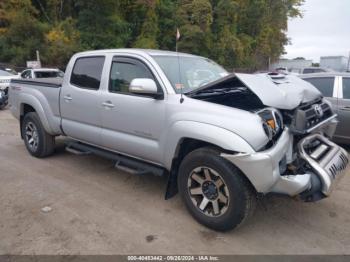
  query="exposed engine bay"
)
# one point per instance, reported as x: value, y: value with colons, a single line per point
x: 310, y: 113
x: 232, y: 93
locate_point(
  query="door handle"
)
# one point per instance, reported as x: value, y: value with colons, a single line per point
x: 108, y: 104
x: 67, y: 98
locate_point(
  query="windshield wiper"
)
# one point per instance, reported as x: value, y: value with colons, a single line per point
x: 219, y: 91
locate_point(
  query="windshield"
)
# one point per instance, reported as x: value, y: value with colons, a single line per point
x: 48, y: 74
x: 189, y: 73
x: 5, y: 73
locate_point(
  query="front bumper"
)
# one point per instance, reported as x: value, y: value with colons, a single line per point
x: 265, y: 169
x: 329, y: 161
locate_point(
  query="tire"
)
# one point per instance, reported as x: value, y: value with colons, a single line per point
x: 42, y: 143
x: 3, y: 99
x: 234, y: 195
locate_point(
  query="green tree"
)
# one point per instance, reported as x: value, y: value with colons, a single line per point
x: 227, y: 44
x: 21, y: 34
x: 194, y: 20
x: 101, y: 24
x: 149, y: 28
x: 166, y: 11
x: 236, y: 33
x: 61, y: 42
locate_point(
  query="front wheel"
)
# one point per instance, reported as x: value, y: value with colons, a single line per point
x: 215, y: 192
x: 38, y: 142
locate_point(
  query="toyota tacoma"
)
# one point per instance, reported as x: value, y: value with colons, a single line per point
x: 223, y: 140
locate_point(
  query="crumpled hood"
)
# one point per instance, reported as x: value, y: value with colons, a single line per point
x: 282, y: 92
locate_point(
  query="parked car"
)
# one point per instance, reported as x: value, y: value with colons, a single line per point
x: 9, y: 70
x: 336, y: 88
x: 222, y: 139
x: 282, y: 70
x: 42, y: 73
x: 5, y: 78
x: 312, y: 70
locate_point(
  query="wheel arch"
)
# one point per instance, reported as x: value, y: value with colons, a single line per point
x: 197, y: 135
x: 32, y: 105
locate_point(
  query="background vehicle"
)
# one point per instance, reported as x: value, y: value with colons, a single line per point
x: 312, y: 70
x: 9, y: 70
x: 42, y: 73
x: 282, y: 70
x: 336, y: 88
x: 5, y: 78
x: 221, y: 138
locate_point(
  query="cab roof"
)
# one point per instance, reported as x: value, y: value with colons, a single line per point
x: 151, y: 52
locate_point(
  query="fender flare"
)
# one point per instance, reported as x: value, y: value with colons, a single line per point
x: 215, y: 135
x: 35, y: 103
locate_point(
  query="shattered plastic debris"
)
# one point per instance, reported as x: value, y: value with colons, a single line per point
x: 46, y: 209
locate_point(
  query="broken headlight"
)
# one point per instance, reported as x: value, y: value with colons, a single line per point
x: 272, y: 122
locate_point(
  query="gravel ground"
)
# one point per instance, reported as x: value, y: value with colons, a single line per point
x: 95, y: 209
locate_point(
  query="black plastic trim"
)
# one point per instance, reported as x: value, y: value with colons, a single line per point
x: 141, y: 166
x: 34, y: 83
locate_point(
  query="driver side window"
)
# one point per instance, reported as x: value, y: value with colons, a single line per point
x: 123, y: 71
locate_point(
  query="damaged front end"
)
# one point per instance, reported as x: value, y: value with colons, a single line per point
x: 308, y: 167
x: 298, y: 158
x: 327, y: 160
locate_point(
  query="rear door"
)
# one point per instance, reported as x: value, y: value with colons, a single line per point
x: 343, y: 129
x: 79, y: 100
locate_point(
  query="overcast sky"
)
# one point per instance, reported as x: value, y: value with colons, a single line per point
x: 324, y: 30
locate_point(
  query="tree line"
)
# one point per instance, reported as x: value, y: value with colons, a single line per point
x: 235, y: 33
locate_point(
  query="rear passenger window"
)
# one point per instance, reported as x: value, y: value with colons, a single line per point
x: 87, y: 72
x: 346, y: 88
x: 323, y: 84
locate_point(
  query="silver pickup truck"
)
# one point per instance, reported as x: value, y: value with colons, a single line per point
x: 222, y: 139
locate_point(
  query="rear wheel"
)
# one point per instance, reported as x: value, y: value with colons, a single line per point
x: 215, y: 192
x: 38, y: 142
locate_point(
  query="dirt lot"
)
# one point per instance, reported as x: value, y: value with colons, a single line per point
x: 98, y: 210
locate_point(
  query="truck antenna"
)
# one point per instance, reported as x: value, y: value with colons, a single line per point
x: 179, y: 66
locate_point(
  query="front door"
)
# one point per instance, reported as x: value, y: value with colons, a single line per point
x: 132, y: 124
x: 79, y: 101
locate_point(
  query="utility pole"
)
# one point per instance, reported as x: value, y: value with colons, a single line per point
x: 38, y: 58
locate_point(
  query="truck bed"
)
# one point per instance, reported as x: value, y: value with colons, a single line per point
x: 43, y: 95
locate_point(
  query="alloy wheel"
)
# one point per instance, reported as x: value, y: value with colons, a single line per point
x: 208, y: 191
x: 32, y: 136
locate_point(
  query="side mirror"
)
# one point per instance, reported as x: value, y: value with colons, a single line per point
x: 145, y: 86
